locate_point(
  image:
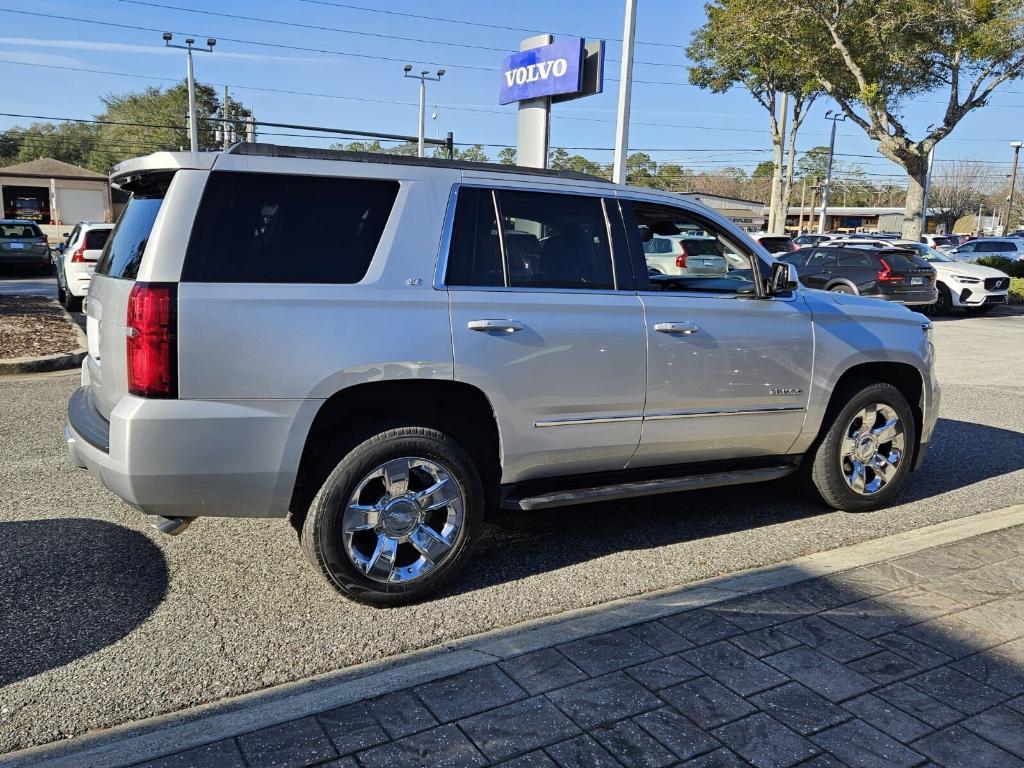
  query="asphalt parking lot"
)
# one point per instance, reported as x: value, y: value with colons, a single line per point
x: 103, y: 621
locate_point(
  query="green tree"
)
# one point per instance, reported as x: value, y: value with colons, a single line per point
x: 673, y: 178
x: 507, y: 156
x: 640, y: 169
x: 70, y: 142
x: 560, y: 160
x: 735, y: 48
x: 358, y: 146
x: 874, y: 57
x: 813, y: 164
x: 154, y: 119
x: 473, y: 154
x: 764, y: 170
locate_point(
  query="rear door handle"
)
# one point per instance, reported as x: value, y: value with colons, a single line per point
x: 495, y: 326
x: 684, y: 328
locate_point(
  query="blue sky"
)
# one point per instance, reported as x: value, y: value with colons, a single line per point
x: 671, y: 120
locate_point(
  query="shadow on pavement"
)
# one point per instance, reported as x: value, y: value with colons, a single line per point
x: 911, y: 660
x: 70, y: 587
x: 521, y: 544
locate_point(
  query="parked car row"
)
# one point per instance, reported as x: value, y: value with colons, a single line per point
x: 23, y: 244
x: 76, y: 259
x: 935, y: 275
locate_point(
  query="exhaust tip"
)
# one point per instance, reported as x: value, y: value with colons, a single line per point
x: 172, y: 526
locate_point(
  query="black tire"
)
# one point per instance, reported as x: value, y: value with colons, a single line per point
x: 943, y: 304
x: 62, y: 295
x: 984, y: 309
x: 843, y: 289
x: 322, y: 538
x: 71, y: 303
x: 823, y: 463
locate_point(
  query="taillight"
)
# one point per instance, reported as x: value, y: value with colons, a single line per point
x: 79, y: 255
x: 152, y: 340
x: 887, y: 275
x: 681, y: 258
x: 794, y: 247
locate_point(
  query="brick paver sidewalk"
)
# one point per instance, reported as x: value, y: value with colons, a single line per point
x: 909, y: 662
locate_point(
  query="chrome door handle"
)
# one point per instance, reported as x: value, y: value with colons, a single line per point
x: 684, y: 328
x: 495, y: 326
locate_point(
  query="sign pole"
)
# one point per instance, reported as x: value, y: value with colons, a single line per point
x: 625, y: 93
x: 534, y: 119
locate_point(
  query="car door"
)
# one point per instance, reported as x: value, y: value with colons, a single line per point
x: 856, y: 266
x: 545, y: 322
x: 819, y: 268
x: 729, y: 368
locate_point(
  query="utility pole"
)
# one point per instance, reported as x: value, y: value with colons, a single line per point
x: 977, y: 222
x: 423, y: 77
x: 803, y: 200
x: 814, y: 197
x: 193, y: 120
x: 625, y: 95
x: 250, y: 129
x: 226, y: 126
x: 1013, y: 185
x: 834, y: 117
x: 777, y: 220
x: 927, y: 191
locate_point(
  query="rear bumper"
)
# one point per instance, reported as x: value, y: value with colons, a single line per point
x: 25, y: 259
x: 77, y: 279
x: 911, y: 298
x: 191, y: 458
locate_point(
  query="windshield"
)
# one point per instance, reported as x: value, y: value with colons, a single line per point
x: 929, y: 254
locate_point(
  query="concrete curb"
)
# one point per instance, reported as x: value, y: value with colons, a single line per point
x: 166, y: 734
x: 47, y: 363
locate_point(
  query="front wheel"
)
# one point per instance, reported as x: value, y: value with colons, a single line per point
x: 862, y: 461
x: 396, y: 519
x: 842, y: 289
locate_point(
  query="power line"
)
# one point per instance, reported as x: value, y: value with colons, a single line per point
x: 465, y: 22
x: 380, y: 35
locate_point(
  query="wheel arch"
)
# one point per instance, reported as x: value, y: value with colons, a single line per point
x: 844, y: 282
x: 904, y: 376
x: 352, y: 414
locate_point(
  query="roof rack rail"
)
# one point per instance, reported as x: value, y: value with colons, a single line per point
x: 312, y: 153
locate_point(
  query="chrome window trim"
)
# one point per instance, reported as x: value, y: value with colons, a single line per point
x: 572, y: 422
x: 444, y: 249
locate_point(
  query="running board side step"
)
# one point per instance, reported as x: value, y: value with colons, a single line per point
x: 646, y: 488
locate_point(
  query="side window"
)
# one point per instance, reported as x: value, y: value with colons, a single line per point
x: 851, y: 257
x: 555, y: 241
x: 550, y: 241
x: 474, y: 257
x: 260, y: 228
x: 1002, y: 247
x: 967, y: 248
x: 707, y: 259
x: 822, y: 258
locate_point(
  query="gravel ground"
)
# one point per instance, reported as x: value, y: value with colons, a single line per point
x: 31, y: 326
x: 102, y: 621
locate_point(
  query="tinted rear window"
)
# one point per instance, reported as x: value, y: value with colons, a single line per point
x: 122, y: 255
x: 774, y: 244
x: 95, y: 239
x: 901, y: 260
x: 273, y: 228
x: 20, y: 230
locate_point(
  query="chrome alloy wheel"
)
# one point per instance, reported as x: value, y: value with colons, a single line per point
x: 402, y: 520
x: 872, y: 449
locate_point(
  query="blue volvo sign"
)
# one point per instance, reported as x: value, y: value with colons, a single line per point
x: 546, y: 71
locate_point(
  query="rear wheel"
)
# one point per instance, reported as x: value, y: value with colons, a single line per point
x: 842, y: 289
x: 862, y: 461
x: 396, y: 519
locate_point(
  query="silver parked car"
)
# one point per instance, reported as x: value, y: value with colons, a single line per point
x: 475, y: 336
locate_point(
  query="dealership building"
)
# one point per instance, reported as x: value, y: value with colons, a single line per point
x: 748, y: 215
x: 53, y: 192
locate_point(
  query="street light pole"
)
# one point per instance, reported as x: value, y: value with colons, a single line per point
x: 193, y: 121
x: 625, y: 96
x: 1013, y: 184
x: 834, y: 117
x: 423, y: 77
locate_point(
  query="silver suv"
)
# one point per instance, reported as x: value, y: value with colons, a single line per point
x: 385, y: 348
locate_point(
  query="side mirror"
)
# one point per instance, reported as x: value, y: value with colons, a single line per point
x: 66, y: 234
x: 783, y: 279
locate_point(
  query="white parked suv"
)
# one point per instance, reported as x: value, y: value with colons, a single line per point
x: 76, y: 260
x: 961, y: 285
x: 474, y: 336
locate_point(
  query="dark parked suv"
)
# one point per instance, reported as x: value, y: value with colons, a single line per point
x: 889, y: 274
